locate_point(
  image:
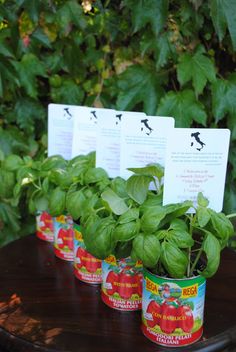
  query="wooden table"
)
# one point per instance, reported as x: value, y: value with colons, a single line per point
x: 45, y: 308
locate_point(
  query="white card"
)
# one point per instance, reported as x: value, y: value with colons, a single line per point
x: 196, y: 160
x: 85, y: 130
x: 60, y: 129
x: 143, y: 140
x: 108, y: 141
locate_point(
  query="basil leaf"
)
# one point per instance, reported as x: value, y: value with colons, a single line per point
x: 12, y: 162
x: 175, y: 210
x: 203, y: 216
x: 149, y: 170
x: 151, y: 201
x: 174, y: 260
x: 52, y: 162
x: 100, y: 241
x: 123, y: 250
x: 212, y: 248
x: 137, y: 187
x: 116, y: 204
x: 118, y: 185
x: 127, y: 231
x: 152, y: 218
x: 95, y: 174
x: 7, y: 183
x: 129, y: 215
x: 41, y: 202
x: 181, y: 239
x: 146, y: 248
x: 222, y: 226
x: 57, y: 202
x: 74, y: 203
x: 201, y: 200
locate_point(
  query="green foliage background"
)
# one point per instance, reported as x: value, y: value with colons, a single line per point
x: 166, y: 57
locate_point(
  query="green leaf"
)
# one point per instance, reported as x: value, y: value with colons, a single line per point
x: 118, y: 185
x: 7, y: 182
x: 126, y: 232
x: 74, y: 203
x: 98, y: 237
x: 184, y: 107
x: 28, y: 69
x: 10, y: 216
x: 148, y: 12
x: 203, y: 216
x: 129, y: 215
x: 201, y: 200
x: 146, y: 248
x: 223, y: 14
x: 69, y: 92
x: 139, y: 84
x: 179, y: 235
x: 94, y: 175
x: 224, y: 98
x: 12, y: 162
x: 123, y: 250
x: 150, y: 170
x: 174, y: 260
x: 152, y: 218
x: 115, y: 203
x: 212, y: 248
x: 197, y: 68
x: 57, y: 202
x: 52, y: 162
x: 222, y: 226
x: 137, y: 187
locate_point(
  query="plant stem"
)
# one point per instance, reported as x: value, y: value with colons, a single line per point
x: 195, y: 262
x: 99, y: 209
x: 231, y: 215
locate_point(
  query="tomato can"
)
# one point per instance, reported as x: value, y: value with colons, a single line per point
x: 63, y: 237
x: 44, y: 226
x: 173, y: 309
x: 122, y: 283
x: 87, y: 268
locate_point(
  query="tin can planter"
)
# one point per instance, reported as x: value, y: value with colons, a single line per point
x: 172, y: 309
x: 44, y: 226
x: 63, y: 237
x: 122, y: 283
x: 87, y: 268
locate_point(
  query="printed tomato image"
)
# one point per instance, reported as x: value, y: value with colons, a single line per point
x: 112, y: 281
x: 62, y: 234
x: 186, y: 320
x: 139, y: 280
x: 81, y: 254
x: 128, y: 285
x: 92, y: 263
x: 154, y: 311
x: 70, y: 239
x: 46, y: 220
x: 169, y: 317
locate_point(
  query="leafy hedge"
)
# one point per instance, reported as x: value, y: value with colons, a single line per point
x: 174, y: 58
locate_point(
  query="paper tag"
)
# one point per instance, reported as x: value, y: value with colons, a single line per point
x: 143, y: 140
x: 60, y: 129
x: 196, y: 161
x: 108, y: 141
x: 85, y: 130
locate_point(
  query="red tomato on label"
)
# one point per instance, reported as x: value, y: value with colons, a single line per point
x: 186, y: 320
x: 70, y: 239
x: 111, y: 279
x: 92, y: 263
x: 62, y: 234
x: 81, y: 254
x: 46, y: 219
x: 155, y: 309
x: 168, y: 322
x: 127, y: 285
x: 139, y: 280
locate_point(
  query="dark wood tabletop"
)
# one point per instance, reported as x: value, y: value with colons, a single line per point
x: 43, y: 307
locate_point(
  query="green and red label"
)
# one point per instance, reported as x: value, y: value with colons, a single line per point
x: 172, y: 310
x: 63, y: 237
x: 87, y: 268
x: 44, y: 227
x: 122, y: 283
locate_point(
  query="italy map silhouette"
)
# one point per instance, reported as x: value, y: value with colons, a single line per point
x: 198, y: 140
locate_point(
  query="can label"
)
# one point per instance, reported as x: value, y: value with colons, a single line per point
x: 172, y: 309
x: 122, y: 283
x: 63, y: 237
x: 44, y: 226
x: 87, y: 268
